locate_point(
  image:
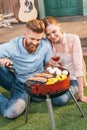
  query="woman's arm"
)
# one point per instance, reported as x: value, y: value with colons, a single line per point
x: 79, y: 66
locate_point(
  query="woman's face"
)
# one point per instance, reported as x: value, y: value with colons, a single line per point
x: 53, y: 33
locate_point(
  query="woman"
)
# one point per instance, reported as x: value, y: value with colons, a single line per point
x: 68, y: 48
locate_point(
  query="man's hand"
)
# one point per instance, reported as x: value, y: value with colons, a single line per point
x: 5, y: 62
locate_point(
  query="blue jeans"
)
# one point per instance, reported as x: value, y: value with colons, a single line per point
x: 15, y: 105
x: 63, y: 99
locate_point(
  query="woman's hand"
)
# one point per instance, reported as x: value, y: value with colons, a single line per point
x: 54, y: 63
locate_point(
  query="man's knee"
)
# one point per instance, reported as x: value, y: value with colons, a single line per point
x: 16, y: 109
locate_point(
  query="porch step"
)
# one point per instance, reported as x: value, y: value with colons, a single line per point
x: 72, y: 18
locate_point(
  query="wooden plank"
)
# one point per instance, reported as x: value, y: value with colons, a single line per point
x: 7, y: 34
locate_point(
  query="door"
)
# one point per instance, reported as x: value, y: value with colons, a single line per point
x: 63, y: 7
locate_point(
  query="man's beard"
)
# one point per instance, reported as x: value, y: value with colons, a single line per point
x: 30, y: 47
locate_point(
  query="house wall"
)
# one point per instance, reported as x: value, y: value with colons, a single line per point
x: 8, y: 6
x: 39, y: 4
x: 84, y: 7
x: 42, y: 8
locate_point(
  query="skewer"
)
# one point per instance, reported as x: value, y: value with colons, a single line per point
x: 10, y: 67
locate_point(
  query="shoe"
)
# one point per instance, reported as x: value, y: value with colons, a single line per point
x: 7, y: 25
x: 11, y: 20
x: 8, y: 15
x: 1, y: 17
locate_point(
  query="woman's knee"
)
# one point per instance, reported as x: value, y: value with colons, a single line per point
x: 61, y: 100
x: 74, y: 89
x: 36, y: 99
x: 16, y: 109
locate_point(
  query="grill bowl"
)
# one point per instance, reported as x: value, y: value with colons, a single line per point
x: 40, y: 89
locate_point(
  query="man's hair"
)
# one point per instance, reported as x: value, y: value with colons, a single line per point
x: 50, y: 20
x: 36, y: 25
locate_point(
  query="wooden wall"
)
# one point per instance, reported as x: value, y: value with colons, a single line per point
x: 8, y: 6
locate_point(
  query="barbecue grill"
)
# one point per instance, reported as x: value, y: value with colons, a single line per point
x: 42, y: 90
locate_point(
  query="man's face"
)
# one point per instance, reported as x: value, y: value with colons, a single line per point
x: 32, y: 41
x: 53, y: 33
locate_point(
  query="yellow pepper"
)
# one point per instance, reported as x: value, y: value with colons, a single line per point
x: 61, y: 77
x: 51, y: 81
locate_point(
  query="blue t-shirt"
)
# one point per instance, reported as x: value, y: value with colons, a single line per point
x: 26, y: 64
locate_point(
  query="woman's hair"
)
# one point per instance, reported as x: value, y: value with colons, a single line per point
x: 50, y: 20
x: 36, y: 25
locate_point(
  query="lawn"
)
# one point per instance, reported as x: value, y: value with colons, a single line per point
x: 66, y: 117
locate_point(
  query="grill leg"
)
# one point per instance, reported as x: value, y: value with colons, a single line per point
x: 50, y: 112
x: 76, y: 102
x: 27, y: 107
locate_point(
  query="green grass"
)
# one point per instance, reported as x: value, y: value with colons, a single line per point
x: 66, y: 117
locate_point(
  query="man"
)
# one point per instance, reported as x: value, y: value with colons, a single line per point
x: 28, y: 55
